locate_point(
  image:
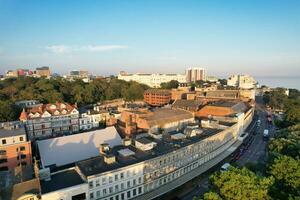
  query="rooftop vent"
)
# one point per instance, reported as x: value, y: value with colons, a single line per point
x: 109, y: 159
x: 126, y: 141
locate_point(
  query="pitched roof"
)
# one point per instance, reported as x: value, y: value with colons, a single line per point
x: 53, y: 109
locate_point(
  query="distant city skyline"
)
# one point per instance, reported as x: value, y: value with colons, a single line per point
x: 260, y: 38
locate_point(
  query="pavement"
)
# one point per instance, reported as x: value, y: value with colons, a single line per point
x: 252, y: 151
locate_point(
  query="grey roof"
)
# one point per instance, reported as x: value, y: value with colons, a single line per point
x: 183, y: 103
x: 164, y: 115
x: 144, y: 140
x: 97, y: 165
x: 61, y: 180
x: 12, y: 132
x: 70, y: 149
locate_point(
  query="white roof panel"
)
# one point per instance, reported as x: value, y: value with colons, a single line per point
x: 69, y: 149
x: 126, y: 152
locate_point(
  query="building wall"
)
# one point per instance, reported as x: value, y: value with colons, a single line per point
x: 67, y: 193
x: 152, y: 80
x: 13, y: 154
x: 52, y: 126
x: 125, y: 181
x: 157, y: 99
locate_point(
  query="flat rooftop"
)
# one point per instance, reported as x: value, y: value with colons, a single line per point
x: 97, y: 165
x: 61, y: 180
x: 69, y: 149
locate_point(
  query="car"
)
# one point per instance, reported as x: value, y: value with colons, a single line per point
x: 225, y: 167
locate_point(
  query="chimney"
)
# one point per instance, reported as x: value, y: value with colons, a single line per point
x: 126, y: 141
x: 104, y: 148
x: 109, y: 159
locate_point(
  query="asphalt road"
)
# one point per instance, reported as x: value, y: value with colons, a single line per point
x: 252, y: 152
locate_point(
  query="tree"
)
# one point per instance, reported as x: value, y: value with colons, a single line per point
x: 241, y: 184
x: 9, y: 111
x: 212, y: 196
x: 169, y: 85
x: 286, y: 171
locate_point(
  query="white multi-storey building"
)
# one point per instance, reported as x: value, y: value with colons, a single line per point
x: 127, y: 172
x: 152, y: 80
x: 50, y: 120
x: 242, y: 81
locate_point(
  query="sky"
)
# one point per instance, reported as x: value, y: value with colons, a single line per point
x: 256, y: 37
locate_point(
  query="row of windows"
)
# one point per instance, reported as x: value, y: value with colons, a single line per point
x: 21, y: 139
x: 125, y: 195
x: 111, y: 179
x: 184, y: 170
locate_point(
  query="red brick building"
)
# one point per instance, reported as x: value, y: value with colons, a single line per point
x: 157, y: 97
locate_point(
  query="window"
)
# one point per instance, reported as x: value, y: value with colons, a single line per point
x: 122, y: 186
x: 122, y: 196
x: 4, y: 160
x: 98, y: 193
x: 140, y: 180
x: 97, y: 182
x: 128, y: 184
x: 2, y: 152
x: 111, y: 190
x: 111, y: 198
x: 133, y: 192
x: 23, y: 156
x: 104, y: 180
x: 104, y: 192
x: 110, y: 179
x: 134, y: 182
x: 116, y: 188
x: 140, y: 190
x: 91, y: 195
x: 91, y: 184
x: 22, y: 148
x: 122, y: 175
x: 4, y: 141
x: 116, y: 177
x: 128, y: 194
x: 21, y: 139
x: 117, y: 197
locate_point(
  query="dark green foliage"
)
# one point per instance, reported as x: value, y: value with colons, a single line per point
x: 58, y: 89
x: 170, y: 84
x: 286, y: 142
x: 8, y: 111
x: 286, y: 171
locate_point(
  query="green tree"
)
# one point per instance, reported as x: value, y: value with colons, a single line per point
x: 241, y: 184
x: 212, y: 196
x: 169, y: 85
x: 8, y: 111
x: 286, y: 171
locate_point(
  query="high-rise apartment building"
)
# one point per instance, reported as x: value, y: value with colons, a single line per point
x: 194, y: 74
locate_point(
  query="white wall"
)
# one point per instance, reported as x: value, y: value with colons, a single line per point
x: 67, y: 193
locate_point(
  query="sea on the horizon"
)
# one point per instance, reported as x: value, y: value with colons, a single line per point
x: 287, y: 82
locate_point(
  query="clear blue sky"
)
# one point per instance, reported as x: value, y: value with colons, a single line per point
x: 105, y: 36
